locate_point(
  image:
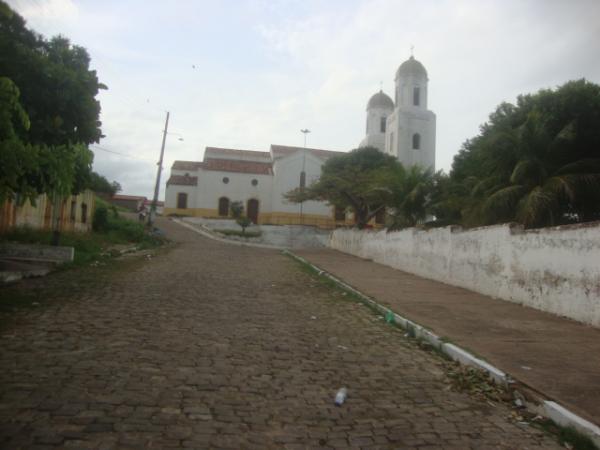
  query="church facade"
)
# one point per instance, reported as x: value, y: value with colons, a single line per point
x: 404, y: 128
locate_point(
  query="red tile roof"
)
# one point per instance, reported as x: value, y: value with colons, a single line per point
x: 235, y: 165
x: 234, y: 152
x: 284, y: 150
x: 186, y: 165
x: 183, y: 180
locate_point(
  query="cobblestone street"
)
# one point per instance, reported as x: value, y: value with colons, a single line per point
x: 210, y: 345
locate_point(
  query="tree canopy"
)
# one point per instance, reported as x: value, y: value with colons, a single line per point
x: 536, y: 162
x: 358, y: 180
x: 49, y: 98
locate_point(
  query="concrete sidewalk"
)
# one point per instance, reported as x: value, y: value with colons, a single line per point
x: 556, y: 356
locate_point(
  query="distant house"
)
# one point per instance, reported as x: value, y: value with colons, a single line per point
x: 130, y: 202
x: 73, y: 213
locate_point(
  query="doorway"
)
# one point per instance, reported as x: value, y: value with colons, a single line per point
x: 252, y: 210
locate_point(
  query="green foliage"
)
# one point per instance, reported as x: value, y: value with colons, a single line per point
x: 18, y: 161
x: 243, y: 222
x: 100, y: 220
x: 359, y: 180
x: 236, y: 209
x: 536, y: 162
x: 411, y: 196
x: 48, y: 112
x: 100, y: 184
x: 237, y: 212
x: 91, y: 246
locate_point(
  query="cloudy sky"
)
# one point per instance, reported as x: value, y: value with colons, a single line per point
x: 249, y: 73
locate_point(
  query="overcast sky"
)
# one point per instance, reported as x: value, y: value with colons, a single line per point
x: 250, y: 73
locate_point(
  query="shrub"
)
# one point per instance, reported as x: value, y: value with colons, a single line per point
x: 100, y: 220
x: 243, y: 222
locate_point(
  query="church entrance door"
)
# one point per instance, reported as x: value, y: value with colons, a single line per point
x: 252, y: 210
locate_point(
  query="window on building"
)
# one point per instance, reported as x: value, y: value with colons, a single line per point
x: 303, y: 179
x: 392, y: 142
x: 339, y: 214
x: 73, y: 211
x: 382, y: 124
x: 83, y: 213
x: 223, y: 207
x: 416, y: 141
x: 181, y: 200
x: 225, y: 180
x: 416, y: 96
x: 254, y: 182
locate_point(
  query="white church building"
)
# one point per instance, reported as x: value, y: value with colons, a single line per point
x: 403, y: 127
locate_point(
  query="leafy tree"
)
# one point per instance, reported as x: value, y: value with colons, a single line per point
x: 536, y: 162
x: 359, y: 180
x: 18, y: 161
x: 116, y: 187
x: 411, y: 195
x: 237, y: 212
x: 99, y: 183
x: 56, y: 92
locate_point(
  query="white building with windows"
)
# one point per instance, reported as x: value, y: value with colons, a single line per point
x: 257, y: 179
x: 404, y: 128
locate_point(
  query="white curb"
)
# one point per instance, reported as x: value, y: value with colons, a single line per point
x: 566, y: 418
x: 225, y: 241
x: 552, y: 410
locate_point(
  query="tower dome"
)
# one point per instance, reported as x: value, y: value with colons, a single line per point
x: 380, y: 100
x: 411, y: 67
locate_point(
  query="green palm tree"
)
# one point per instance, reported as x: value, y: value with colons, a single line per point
x: 544, y: 188
x: 411, y: 192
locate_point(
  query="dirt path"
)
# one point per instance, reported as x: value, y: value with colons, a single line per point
x: 217, y: 346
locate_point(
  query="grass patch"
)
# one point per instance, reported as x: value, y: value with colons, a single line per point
x: 247, y: 234
x: 567, y: 436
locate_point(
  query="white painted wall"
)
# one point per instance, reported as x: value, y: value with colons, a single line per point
x: 171, y: 195
x: 374, y: 137
x: 553, y: 269
x: 287, y: 177
x: 406, y: 122
x: 405, y: 87
x: 240, y: 188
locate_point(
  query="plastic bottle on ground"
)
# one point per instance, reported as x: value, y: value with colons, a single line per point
x: 340, y: 397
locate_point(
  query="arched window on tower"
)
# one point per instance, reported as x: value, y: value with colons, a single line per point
x: 416, y: 141
x: 382, y: 125
x: 416, y: 96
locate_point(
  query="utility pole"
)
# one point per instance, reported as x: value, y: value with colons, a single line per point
x: 303, y: 173
x: 158, y: 172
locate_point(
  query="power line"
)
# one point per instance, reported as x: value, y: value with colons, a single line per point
x: 119, y: 153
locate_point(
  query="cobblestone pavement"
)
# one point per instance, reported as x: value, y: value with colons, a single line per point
x: 212, y: 345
